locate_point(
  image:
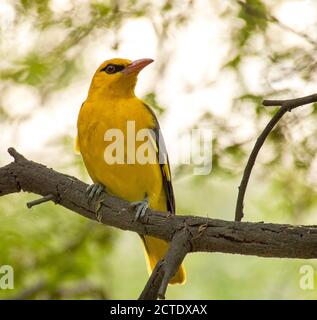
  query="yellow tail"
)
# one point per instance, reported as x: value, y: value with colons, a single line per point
x: 155, y: 249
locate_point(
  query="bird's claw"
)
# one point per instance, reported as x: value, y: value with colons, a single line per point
x: 141, y: 207
x: 94, y: 191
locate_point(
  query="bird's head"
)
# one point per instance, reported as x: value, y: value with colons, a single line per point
x: 117, y: 77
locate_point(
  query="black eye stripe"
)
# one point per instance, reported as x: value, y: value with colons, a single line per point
x: 112, y: 68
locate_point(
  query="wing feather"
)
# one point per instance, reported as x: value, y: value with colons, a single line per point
x: 162, y: 155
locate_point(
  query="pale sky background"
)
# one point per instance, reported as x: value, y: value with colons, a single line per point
x: 205, y: 38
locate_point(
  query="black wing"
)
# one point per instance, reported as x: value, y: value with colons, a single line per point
x: 164, y: 164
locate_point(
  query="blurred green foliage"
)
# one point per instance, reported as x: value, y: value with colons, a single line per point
x: 59, y: 255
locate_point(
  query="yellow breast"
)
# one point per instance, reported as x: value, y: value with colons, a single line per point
x: 97, y: 121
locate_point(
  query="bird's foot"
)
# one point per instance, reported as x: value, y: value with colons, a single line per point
x: 140, y: 207
x: 95, y: 190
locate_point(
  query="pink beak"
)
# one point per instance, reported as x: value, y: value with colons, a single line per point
x: 136, y: 66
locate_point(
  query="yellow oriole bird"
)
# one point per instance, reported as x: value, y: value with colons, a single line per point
x: 110, y: 104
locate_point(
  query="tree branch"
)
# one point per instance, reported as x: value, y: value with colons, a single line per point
x: 187, y: 233
x: 291, y: 103
x: 286, y: 105
x: 167, y: 267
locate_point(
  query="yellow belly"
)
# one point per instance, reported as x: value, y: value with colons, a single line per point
x: 131, y: 182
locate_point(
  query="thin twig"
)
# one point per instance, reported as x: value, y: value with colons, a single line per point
x: 286, y: 105
x: 293, y: 103
x: 49, y: 197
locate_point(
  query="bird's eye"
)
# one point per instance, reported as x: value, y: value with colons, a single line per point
x: 110, y: 68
